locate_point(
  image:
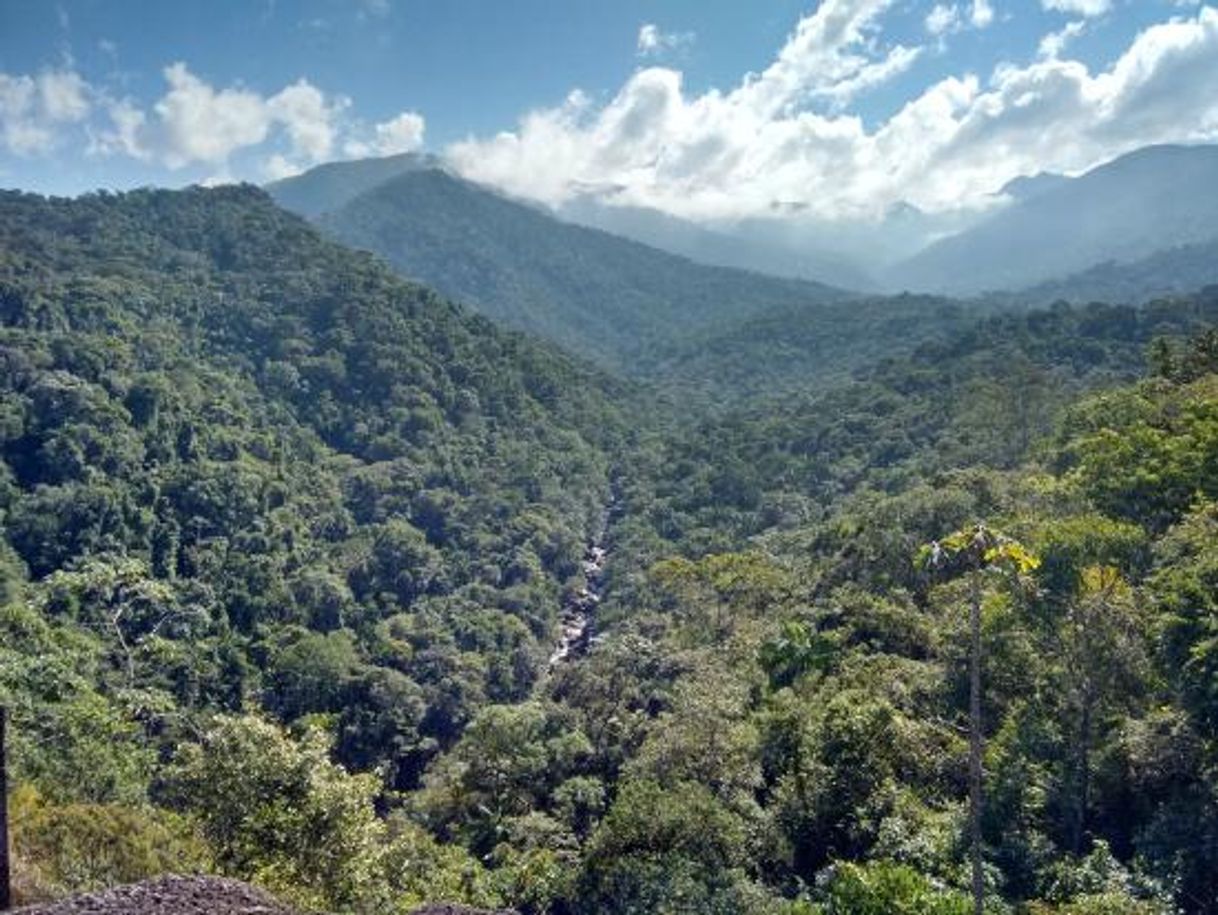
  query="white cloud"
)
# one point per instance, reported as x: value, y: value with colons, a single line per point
x: 124, y: 134
x: 403, y: 133
x: 828, y: 50
x: 1053, y: 44
x: 1078, y: 7
x: 195, y: 123
x: 35, y: 109
x: 201, y: 124
x: 654, y: 42
x: 280, y: 166
x: 309, y: 119
x: 710, y: 153
x: 64, y: 96
x: 942, y: 19
x: 781, y: 139
x: 949, y: 18
x: 400, y: 134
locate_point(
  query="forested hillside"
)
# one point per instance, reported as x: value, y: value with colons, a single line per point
x: 287, y: 540
x: 1173, y: 271
x: 709, y: 334
x: 244, y: 467
x: 597, y: 295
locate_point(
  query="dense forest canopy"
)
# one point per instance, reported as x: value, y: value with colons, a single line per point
x: 288, y: 542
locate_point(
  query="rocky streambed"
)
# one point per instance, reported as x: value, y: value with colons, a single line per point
x: 578, y: 615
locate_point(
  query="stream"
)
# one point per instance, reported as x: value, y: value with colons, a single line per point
x: 579, y: 609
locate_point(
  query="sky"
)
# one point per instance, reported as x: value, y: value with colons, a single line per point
x: 707, y: 109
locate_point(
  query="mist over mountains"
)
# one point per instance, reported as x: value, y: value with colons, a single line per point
x: 1134, y: 227
x: 1151, y: 200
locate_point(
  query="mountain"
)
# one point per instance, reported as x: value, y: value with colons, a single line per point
x: 327, y: 187
x: 724, y: 247
x: 1025, y: 187
x: 593, y: 293
x: 1171, y: 272
x: 1156, y: 198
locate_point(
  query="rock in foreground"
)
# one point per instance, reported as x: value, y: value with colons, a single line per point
x: 195, y: 896
x: 168, y: 896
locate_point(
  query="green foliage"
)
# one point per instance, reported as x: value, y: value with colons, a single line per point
x: 79, y: 848
x: 885, y: 888
x: 280, y: 812
x: 1148, y: 453
x: 222, y: 436
x: 670, y: 848
x: 286, y: 542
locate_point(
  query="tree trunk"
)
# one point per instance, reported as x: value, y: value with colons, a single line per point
x: 975, y: 742
x: 1084, y: 774
x: 5, y: 899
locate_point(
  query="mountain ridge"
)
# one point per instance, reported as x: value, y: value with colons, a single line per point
x: 594, y: 293
x: 1153, y: 198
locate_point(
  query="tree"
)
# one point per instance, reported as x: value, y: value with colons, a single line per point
x: 279, y: 812
x: 973, y: 554
x: 1104, y: 662
x: 887, y: 888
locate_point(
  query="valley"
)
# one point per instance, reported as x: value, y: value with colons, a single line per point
x: 317, y: 578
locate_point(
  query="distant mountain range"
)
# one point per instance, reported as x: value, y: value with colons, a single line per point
x: 638, y: 295
x: 593, y: 293
x: 1171, y: 272
x: 747, y: 246
x: 1152, y: 200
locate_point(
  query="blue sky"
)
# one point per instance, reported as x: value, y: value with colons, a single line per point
x: 856, y: 104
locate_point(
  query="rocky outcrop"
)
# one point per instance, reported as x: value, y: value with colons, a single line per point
x: 168, y: 896
x: 197, y: 896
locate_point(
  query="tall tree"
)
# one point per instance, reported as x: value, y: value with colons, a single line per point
x: 974, y: 554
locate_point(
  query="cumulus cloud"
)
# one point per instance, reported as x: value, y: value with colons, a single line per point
x: 403, y: 133
x: 279, y: 166
x: 948, y: 18
x: 194, y: 123
x: 310, y: 119
x: 943, y: 18
x: 35, y: 109
x: 202, y: 124
x: 197, y: 123
x: 781, y: 139
x: 1078, y: 7
x: 124, y: 133
x: 982, y: 14
x: 654, y: 42
x: 400, y: 134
